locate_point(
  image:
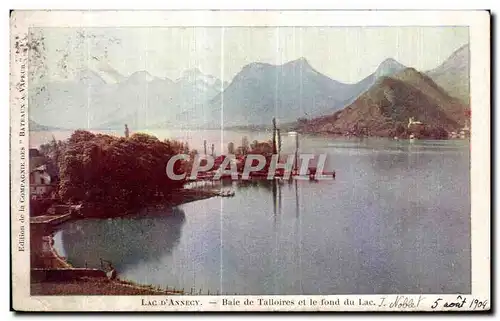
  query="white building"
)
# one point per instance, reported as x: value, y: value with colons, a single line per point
x: 40, y: 181
x: 412, y: 121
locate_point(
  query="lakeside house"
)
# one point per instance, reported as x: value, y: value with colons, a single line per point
x: 43, y: 174
x: 465, y: 132
x: 462, y: 134
x: 40, y: 181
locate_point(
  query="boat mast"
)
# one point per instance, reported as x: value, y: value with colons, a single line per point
x: 274, y: 136
x: 296, y: 151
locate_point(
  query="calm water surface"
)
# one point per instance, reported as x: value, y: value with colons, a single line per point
x: 395, y: 220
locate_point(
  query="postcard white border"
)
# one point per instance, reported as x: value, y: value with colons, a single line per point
x: 479, y: 29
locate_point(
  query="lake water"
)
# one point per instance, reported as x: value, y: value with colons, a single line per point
x: 395, y: 220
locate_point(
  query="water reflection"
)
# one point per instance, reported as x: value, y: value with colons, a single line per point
x: 123, y: 241
x: 396, y: 219
x: 390, y: 161
x: 274, y: 187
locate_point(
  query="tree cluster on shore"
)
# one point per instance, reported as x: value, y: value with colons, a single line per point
x: 256, y: 147
x: 264, y: 148
x: 115, y: 174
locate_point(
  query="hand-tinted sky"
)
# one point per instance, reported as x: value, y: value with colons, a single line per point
x: 346, y: 54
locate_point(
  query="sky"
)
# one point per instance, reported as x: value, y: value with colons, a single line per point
x: 346, y: 54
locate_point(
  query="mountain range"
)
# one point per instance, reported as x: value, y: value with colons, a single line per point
x: 100, y: 97
x: 453, y: 74
x: 139, y: 100
x: 438, y: 99
x: 388, y: 105
x: 288, y: 92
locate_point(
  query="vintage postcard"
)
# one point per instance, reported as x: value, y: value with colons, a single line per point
x: 250, y: 160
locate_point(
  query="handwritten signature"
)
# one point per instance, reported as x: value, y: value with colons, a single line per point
x: 402, y: 302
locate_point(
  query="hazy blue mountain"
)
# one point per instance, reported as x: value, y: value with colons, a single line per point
x: 453, y: 74
x: 139, y: 100
x: 290, y: 91
x: 103, y: 98
x: 89, y: 78
x: 195, y: 90
x: 388, y: 68
x: 37, y: 127
x: 108, y: 73
x: 69, y: 104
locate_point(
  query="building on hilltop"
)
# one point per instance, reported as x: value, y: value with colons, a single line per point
x: 413, y: 122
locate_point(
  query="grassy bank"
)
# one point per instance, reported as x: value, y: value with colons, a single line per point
x: 96, y: 286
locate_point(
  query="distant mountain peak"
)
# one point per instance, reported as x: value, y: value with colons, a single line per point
x: 192, y: 72
x: 464, y: 47
x: 300, y: 61
x: 108, y: 72
x: 461, y: 53
x: 410, y: 71
x: 256, y: 66
x: 453, y: 74
x: 88, y: 76
x: 141, y: 75
x: 196, y: 76
x: 195, y: 73
x: 458, y: 58
x: 389, y: 67
x: 389, y: 61
x: 255, y: 69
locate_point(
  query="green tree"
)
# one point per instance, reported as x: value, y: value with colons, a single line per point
x: 262, y: 148
x: 116, y: 173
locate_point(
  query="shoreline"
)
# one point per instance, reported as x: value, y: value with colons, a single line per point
x: 391, y: 138
x: 179, y: 198
x: 43, y: 255
x: 81, y: 285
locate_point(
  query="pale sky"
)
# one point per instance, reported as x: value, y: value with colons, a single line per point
x: 346, y: 54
